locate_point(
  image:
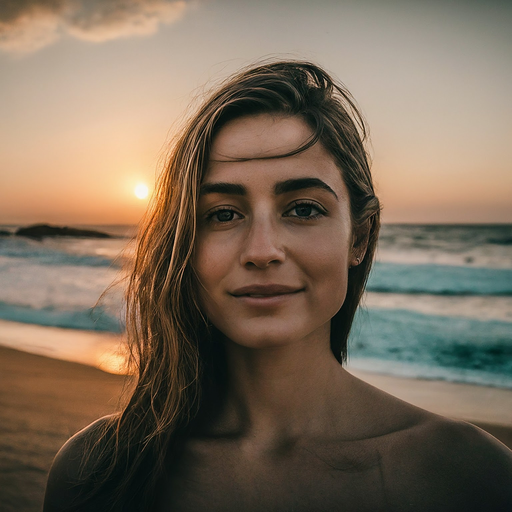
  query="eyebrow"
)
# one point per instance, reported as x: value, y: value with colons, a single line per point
x: 282, y: 187
x: 300, y: 184
x: 231, y: 189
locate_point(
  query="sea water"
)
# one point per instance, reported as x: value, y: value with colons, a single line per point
x: 438, y: 302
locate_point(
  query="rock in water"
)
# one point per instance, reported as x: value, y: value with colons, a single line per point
x: 39, y: 231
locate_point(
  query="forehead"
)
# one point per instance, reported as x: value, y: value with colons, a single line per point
x: 259, y: 138
x: 262, y: 135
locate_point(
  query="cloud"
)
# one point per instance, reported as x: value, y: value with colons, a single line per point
x: 28, y: 25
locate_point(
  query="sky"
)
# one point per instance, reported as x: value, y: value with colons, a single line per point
x: 91, y: 91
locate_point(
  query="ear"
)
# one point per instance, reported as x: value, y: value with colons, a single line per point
x: 360, y: 237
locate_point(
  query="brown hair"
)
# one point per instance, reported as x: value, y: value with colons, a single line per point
x: 167, y: 333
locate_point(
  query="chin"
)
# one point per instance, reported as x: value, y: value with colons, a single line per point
x: 266, y: 338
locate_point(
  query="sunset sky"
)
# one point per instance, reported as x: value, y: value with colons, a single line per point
x: 91, y: 90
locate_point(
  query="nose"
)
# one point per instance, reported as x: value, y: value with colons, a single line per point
x: 262, y: 245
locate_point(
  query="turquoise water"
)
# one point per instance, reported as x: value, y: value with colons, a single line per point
x: 439, y: 302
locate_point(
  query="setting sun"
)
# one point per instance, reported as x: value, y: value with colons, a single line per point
x: 141, y: 191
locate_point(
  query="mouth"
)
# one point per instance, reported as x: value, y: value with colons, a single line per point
x: 265, y: 291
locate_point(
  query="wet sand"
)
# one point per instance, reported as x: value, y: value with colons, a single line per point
x: 43, y: 401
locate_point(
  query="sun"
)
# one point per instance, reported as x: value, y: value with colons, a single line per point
x: 141, y: 191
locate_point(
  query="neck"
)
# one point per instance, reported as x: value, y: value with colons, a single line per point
x: 284, y: 392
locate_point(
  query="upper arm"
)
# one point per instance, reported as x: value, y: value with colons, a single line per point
x: 65, y: 485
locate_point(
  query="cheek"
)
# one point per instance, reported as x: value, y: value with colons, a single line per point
x: 210, y: 263
x: 206, y: 261
x: 328, y: 272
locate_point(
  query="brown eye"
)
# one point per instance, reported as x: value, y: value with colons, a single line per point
x: 222, y: 216
x: 303, y: 210
x: 225, y: 215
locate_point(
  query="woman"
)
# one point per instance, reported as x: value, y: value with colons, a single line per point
x: 248, y: 273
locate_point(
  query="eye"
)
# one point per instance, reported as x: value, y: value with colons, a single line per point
x: 305, y: 211
x: 222, y: 215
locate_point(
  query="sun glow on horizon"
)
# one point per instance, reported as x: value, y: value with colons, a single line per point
x: 141, y: 191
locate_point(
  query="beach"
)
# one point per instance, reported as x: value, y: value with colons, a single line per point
x: 44, y: 401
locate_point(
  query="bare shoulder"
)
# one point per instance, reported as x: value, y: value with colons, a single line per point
x: 64, y: 480
x: 429, y: 462
x: 442, y: 464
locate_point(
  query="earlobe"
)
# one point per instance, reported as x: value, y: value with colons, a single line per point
x: 355, y: 262
x: 360, y: 244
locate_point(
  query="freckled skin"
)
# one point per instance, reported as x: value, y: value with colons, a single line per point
x: 264, y: 243
x: 292, y: 430
x: 296, y: 431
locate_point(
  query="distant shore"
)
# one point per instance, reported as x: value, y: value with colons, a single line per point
x: 45, y: 401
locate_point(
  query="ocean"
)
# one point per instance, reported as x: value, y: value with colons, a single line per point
x: 438, y: 302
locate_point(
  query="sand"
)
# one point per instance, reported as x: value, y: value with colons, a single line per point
x: 43, y: 401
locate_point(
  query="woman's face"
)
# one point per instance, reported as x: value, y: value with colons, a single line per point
x: 274, y: 236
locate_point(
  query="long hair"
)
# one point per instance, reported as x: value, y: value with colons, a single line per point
x: 167, y: 333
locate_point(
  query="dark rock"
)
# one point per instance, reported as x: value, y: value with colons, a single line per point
x: 39, y: 231
x: 3, y: 232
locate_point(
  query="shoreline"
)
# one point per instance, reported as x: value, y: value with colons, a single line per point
x: 488, y: 408
x: 468, y: 402
x: 45, y: 400
x: 98, y: 349
x: 104, y: 351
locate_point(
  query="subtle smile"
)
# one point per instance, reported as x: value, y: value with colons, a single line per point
x: 265, y: 294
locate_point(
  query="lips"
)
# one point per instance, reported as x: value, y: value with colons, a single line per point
x: 267, y: 290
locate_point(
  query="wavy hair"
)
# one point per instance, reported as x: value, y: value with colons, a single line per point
x: 169, y: 338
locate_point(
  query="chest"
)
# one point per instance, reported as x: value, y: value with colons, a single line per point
x: 297, y: 479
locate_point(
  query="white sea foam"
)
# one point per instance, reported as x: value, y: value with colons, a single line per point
x: 472, y: 246
x: 64, y: 287
x: 477, y: 307
x: 429, y: 372
x: 440, y: 305
x: 102, y: 247
x: 485, y: 256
